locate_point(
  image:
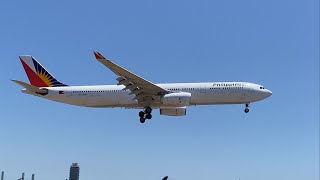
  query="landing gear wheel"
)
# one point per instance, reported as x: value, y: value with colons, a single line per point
x: 246, y: 110
x: 142, y: 120
x: 141, y: 114
x: 148, y: 116
x: 148, y: 110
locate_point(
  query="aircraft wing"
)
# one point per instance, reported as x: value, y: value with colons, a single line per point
x: 137, y: 85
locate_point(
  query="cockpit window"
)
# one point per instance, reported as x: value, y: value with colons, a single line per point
x: 261, y: 87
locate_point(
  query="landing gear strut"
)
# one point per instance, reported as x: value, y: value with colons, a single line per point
x: 146, y: 114
x: 246, y: 110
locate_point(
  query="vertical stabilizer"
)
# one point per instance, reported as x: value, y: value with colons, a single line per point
x: 37, y: 74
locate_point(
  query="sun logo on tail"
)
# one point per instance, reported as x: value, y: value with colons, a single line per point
x: 43, y: 74
x: 45, y: 78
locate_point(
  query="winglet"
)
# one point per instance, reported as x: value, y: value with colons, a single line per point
x: 98, y: 55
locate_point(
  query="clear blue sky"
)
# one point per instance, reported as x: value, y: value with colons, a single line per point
x: 274, y: 43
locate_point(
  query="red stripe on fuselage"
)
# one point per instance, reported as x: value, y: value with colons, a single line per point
x: 34, y: 79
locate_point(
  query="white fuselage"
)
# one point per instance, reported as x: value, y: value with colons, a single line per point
x: 105, y: 96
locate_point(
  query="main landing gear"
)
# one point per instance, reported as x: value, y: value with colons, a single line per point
x: 246, y: 110
x: 146, y: 114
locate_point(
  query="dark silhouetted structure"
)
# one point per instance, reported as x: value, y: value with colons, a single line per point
x: 165, y: 178
x: 74, y: 171
x: 2, y: 175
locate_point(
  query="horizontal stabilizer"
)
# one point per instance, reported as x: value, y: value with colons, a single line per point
x: 31, y: 87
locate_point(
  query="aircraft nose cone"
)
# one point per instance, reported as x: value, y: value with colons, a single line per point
x: 268, y: 93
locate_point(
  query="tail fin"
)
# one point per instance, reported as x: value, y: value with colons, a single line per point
x: 37, y: 74
x: 165, y: 178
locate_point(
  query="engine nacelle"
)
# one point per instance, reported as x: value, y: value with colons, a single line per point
x: 180, y: 99
x: 180, y: 111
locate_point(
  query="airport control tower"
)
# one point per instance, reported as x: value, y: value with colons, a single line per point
x: 74, y: 171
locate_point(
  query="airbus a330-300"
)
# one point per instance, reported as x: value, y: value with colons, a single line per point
x: 133, y: 91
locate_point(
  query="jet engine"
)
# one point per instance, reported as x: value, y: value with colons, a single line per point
x: 180, y: 111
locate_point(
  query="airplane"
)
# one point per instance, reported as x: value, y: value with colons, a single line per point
x: 135, y: 92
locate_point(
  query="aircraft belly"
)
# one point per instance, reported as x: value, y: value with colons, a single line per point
x: 88, y: 100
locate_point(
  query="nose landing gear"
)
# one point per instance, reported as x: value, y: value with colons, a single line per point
x: 146, y: 114
x: 246, y: 110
